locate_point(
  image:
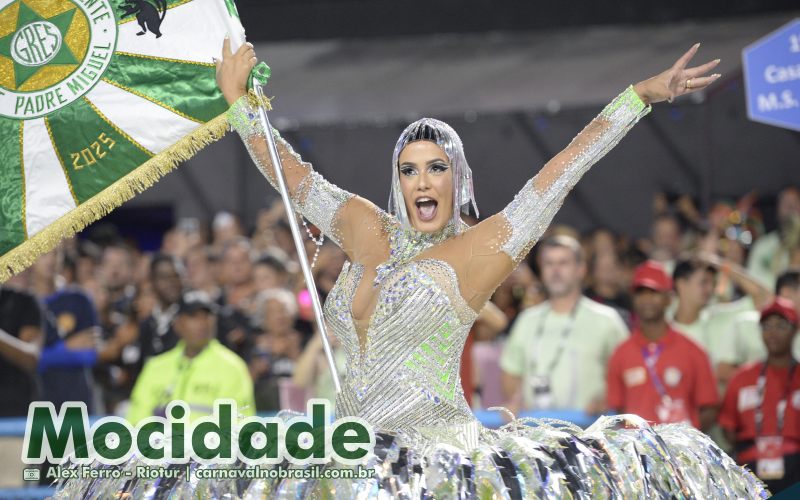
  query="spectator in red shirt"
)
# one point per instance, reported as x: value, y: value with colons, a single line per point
x: 658, y: 373
x: 761, y: 410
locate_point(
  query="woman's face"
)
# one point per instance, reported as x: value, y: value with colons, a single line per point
x: 426, y: 179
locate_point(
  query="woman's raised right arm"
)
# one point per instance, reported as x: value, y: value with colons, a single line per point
x: 313, y: 196
x: 354, y: 223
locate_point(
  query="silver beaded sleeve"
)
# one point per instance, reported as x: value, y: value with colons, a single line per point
x: 534, y: 206
x: 315, y: 198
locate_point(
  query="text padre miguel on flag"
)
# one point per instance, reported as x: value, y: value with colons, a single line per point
x: 98, y: 100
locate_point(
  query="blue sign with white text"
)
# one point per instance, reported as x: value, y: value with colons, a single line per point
x: 772, y: 77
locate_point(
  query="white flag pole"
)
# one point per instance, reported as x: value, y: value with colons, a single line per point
x: 236, y: 34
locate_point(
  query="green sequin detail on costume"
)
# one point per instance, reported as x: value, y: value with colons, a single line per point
x: 430, y: 362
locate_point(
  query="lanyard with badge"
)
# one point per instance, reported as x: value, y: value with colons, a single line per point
x: 540, y: 383
x: 668, y: 410
x: 770, y: 463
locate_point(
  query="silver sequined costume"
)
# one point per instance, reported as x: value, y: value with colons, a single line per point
x: 403, y: 355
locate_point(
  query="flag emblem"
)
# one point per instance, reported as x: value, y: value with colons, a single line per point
x: 98, y: 100
x: 52, y: 52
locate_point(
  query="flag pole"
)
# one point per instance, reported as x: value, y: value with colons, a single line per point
x: 228, y: 12
x: 298, y: 239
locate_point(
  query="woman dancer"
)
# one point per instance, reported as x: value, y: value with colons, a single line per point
x: 415, y: 280
x: 417, y: 276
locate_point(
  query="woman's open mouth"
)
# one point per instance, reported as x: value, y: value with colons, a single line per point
x: 426, y: 208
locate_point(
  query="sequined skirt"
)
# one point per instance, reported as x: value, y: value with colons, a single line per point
x: 617, y: 457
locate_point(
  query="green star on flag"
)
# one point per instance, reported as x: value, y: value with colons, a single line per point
x: 32, y: 39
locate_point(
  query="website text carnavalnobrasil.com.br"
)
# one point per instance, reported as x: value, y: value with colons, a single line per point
x: 217, y: 473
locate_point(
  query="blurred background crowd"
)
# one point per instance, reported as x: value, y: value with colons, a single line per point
x: 101, y: 296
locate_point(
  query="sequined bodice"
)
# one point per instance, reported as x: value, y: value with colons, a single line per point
x: 407, y: 375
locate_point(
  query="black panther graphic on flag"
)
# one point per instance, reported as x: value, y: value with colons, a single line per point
x: 148, y: 15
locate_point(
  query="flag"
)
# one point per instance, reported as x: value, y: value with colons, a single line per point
x: 98, y: 100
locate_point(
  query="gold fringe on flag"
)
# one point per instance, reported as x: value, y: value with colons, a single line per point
x: 141, y: 178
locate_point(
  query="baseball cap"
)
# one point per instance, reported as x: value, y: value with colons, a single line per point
x: 652, y: 275
x: 782, y: 307
x: 196, y: 300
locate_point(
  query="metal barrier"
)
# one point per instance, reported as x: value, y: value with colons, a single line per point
x: 36, y: 493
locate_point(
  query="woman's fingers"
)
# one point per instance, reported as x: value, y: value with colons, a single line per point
x: 685, y: 58
x: 253, y: 61
x: 702, y: 69
x: 702, y: 82
x: 244, y: 48
x: 246, y: 53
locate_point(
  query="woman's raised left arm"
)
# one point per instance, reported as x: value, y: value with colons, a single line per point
x: 500, y: 242
x: 532, y: 209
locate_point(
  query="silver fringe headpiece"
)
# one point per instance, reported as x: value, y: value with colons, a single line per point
x: 442, y: 134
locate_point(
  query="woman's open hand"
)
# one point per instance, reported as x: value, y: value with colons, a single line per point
x: 234, y: 70
x: 677, y: 80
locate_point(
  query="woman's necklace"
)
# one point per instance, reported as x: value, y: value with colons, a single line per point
x: 405, y: 244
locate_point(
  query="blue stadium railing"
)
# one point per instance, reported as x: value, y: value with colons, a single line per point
x: 15, y: 427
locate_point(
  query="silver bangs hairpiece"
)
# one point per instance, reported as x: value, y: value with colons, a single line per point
x: 430, y: 129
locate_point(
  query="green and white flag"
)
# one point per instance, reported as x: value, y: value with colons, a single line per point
x: 98, y: 100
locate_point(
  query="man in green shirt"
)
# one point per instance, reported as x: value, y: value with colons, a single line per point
x: 198, y: 371
x: 694, y: 285
x: 769, y: 256
x: 711, y: 325
x: 556, y: 354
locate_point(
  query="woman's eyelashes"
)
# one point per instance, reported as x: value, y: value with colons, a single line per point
x: 434, y: 168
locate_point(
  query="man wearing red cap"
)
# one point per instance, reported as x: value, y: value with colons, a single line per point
x: 761, y: 409
x: 658, y: 373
